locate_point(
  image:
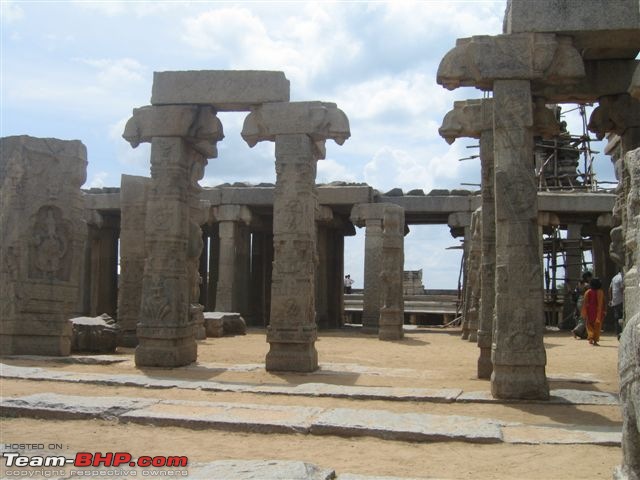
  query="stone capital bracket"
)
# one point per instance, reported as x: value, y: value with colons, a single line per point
x: 469, y: 118
x: 634, y: 88
x: 231, y: 213
x: 198, y: 125
x: 548, y: 219
x: 614, y: 114
x: 319, y: 120
x: 478, y: 61
x: 324, y: 215
x: 363, y: 212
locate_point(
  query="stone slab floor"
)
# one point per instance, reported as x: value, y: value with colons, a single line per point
x: 407, y: 409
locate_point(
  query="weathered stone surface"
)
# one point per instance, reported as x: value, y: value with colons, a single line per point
x: 51, y: 405
x: 319, y: 120
x: 133, y: 209
x: 472, y: 279
x: 535, y: 435
x: 560, y: 396
x: 634, y: 88
x: 629, y: 352
x: 615, y: 114
x: 173, y: 238
x: 226, y: 416
x: 518, y: 353
x: 197, y: 125
x: 259, y: 470
x: 94, y: 334
x: 383, y: 303
x: 42, y: 228
x: 479, y: 61
x: 406, y: 426
x: 226, y: 90
x: 218, y: 324
x: 599, y: 28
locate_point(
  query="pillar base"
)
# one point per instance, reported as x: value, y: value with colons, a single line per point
x: 473, y: 336
x: 166, y: 353
x: 48, y: 345
x: 525, y: 382
x: 292, y: 357
x: 391, y: 324
x: 485, y: 366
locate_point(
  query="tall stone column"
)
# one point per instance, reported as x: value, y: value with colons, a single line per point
x: 42, y: 239
x: 104, y: 266
x: 234, y: 258
x: 383, y: 305
x: 488, y: 261
x: 299, y: 130
x: 261, y: 257
x: 518, y: 351
x: 133, y: 211
x: 473, y: 281
x: 182, y: 138
x: 573, y: 267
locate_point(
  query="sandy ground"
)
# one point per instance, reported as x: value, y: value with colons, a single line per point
x: 428, y: 358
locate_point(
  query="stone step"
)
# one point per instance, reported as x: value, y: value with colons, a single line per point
x: 344, y: 422
x: 315, y: 389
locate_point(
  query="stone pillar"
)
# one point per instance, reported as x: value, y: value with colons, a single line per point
x: 488, y: 261
x: 473, y: 280
x: 460, y: 225
x: 518, y: 353
x: 572, y: 269
x: 104, y: 266
x: 42, y: 239
x: 182, y: 138
x: 133, y: 206
x: 214, y: 255
x: 234, y: 258
x: 261, y: 257
x: 383, y: 299
x: 299, y: 131
x: 335, y: 276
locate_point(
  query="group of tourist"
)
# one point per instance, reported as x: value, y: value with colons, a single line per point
x: 591, y: 306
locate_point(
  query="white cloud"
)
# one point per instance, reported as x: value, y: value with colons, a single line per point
x: 116, y: 72
x: 330, y: 170
x: 10, y: 11
x: 98, y: 180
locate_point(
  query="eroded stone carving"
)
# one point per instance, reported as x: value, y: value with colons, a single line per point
x: 614, y: 114
x: 182, y: 138
x: 478, y: 61
x: 299, y: 130
x: 42, y: 231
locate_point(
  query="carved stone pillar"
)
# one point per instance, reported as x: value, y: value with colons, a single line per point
x: 261, y: 258
x: 234, y: 257
x: 299, y: 131
x: 42, y: 239
x: 103, y: 241
x: 383, y: 304
x: 182, y: 138
x: 473, y: 272
x: 518, y: 350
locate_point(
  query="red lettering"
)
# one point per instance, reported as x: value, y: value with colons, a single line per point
x: 98, y: 459
x: 144, y: 461
x: 120, y: 458
x: 83, y: 459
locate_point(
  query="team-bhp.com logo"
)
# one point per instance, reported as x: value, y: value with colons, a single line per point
x: 100, y: 460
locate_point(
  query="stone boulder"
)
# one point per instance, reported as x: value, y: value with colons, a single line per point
x: 218, y: 324
x: 94, y: 334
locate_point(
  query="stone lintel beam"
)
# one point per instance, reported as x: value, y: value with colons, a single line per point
x: 615, y: 114
x: 459, y: 220
x: 469, y: 118
x: 480, y: 60
x: 231, y: 213
x: 548, y: 219
x: 319, y: 120
x: 198, y: 125
x: 602, y: 77
x: 225, y: 90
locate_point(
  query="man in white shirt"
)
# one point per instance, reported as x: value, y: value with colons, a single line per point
x: 348, y: 283
x: 616, y: 294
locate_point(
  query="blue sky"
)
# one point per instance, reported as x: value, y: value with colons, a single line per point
x: 76, y: 69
